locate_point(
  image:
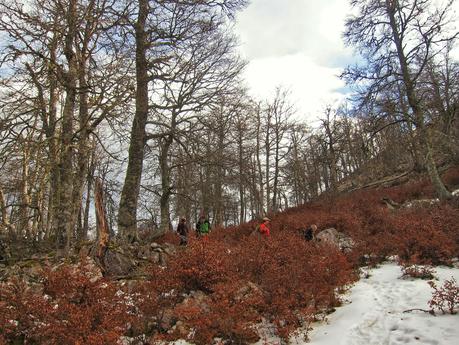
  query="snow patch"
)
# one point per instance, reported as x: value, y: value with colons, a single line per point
x: 376, y: 315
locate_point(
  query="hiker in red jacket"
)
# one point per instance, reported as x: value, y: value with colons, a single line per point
x: 264, y: 227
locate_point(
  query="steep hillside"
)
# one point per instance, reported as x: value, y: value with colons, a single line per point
x: 234, y: 285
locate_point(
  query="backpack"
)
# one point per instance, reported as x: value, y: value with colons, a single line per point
x: 256, y: 231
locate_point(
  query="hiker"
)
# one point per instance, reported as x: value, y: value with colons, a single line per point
x: 182, y: 230
x: 264, y: 227
x: 202, y: 226
x: 310, y: 232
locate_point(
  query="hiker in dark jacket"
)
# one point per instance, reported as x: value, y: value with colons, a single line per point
x: 182, y: 230
x: 310, y: 232
x: 202, y: 226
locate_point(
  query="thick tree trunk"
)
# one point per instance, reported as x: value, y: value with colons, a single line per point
x: 6, y: 225
x: 432, y: 170
x: 64, y: 208
x: 50, y: 132
x: 82, y: 161
x: 127, y: 214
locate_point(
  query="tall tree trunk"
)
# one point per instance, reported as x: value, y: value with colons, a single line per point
x: 89, y: 182
x: 5, y: 217
x: 260, y: 208
x: 127, y: 213
x: 277, y: 158
x: 102, y: 229
x: 82, y: 160
x: 24, y: 224
x: 242, y: 203
x: 64, y: 208
x: 50, y: 132
x: 218, y: 192
x: 166, y: 187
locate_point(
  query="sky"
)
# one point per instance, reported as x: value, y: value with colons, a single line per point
x: 295, y: 44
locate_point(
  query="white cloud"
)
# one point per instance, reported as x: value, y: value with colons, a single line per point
x: 296, y: 44
x: 311, y: 85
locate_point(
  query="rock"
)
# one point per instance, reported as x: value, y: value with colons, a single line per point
x: 420, y: 203
x: 155, y: 257
x: 33, y: 272
x: 199, y: 299
x: 247, y: 291
x: 182, y: 329
x: 144, y: 252
x: 130, y: 286
x: 154, y: 245
x: 92, y: 270
x: 162, y: 259
x: 118, y: 264
x: 391, y: 204
x: 336, y: 238
x: 169, y: 249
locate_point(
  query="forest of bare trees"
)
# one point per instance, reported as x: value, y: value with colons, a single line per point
x: 148, y: 96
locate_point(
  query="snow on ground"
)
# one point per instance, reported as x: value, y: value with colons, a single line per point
x: 373, y: 313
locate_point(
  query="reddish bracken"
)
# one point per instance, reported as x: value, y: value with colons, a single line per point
x: 224, y: 285
x: 71, y: 309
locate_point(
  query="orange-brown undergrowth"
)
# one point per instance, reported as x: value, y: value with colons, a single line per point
x: 223, y: 286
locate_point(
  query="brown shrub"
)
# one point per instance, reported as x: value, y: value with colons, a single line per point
x: 283, y: 279
x: 419, y: 239
x: 71, y: 309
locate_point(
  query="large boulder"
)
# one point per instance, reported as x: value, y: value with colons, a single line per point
x: 336, y: 238
x: 118, y: 264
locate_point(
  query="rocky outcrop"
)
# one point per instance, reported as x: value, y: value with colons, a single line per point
x: 118, y: 260
x: 336, y: 238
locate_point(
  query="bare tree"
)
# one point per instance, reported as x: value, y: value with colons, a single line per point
x: 398, y: 39
x: 160, y: 27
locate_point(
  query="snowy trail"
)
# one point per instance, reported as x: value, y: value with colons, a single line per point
x: 374, y: 314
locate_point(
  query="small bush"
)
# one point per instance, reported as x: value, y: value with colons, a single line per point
x: 418, y: 272
x: 445, y: 298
